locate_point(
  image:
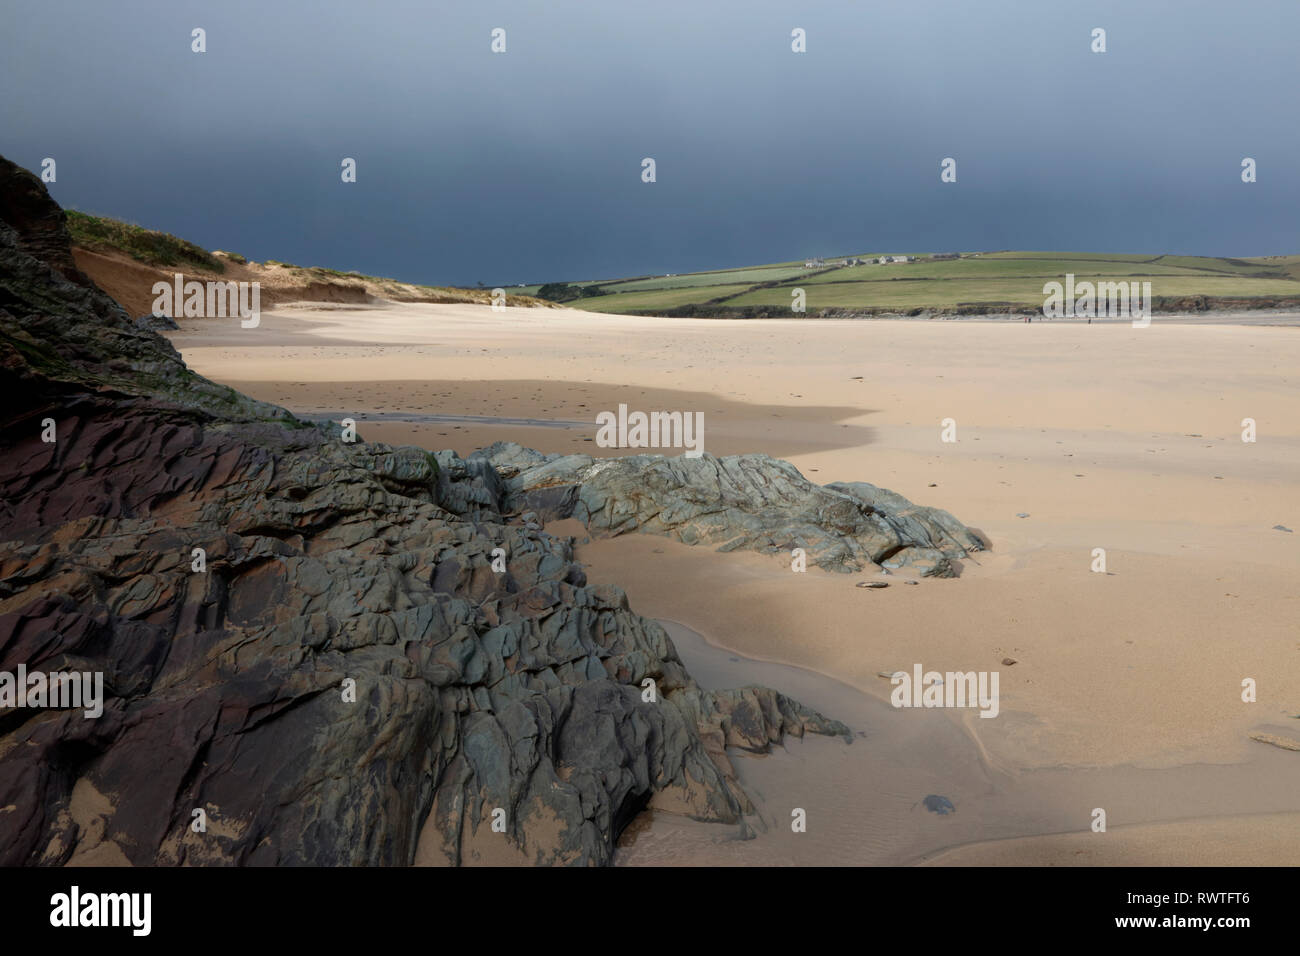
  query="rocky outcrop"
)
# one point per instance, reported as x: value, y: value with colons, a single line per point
x: 40, y: 227
x: 304, y: 644
x: 741, y: 501
x: 156, y: 323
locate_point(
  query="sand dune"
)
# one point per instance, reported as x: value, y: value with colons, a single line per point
x: 130, y: 281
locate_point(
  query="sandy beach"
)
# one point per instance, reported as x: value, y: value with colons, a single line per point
x: 1126, y: 687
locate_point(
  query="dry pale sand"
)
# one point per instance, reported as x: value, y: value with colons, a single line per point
x: 1105, y: 436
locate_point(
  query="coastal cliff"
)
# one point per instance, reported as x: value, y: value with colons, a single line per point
x: 306, y: 639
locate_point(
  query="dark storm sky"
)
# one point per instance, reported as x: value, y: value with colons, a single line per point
x: 525, y: 166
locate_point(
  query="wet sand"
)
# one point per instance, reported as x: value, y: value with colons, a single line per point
x: 864, y: 800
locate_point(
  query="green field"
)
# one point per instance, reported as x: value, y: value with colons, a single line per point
x: 698, y: 279
x: 655, y: 299
x: 984, y: 282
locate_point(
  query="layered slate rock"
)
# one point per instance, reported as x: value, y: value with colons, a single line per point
x: 326, y: 566
x: 741, y: 501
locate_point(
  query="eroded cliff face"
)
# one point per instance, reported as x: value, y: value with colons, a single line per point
x: 325, y: 567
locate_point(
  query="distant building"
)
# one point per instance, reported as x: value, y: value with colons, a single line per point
x: 947, y: 255
x: 814, y: 263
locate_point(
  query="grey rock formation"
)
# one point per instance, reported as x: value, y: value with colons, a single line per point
x: 741, y: 501
x: 156, y: 323
x: 302, y: 638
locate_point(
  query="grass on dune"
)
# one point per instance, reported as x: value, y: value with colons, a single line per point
x: 160, y: 249
x: 144, y: 245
